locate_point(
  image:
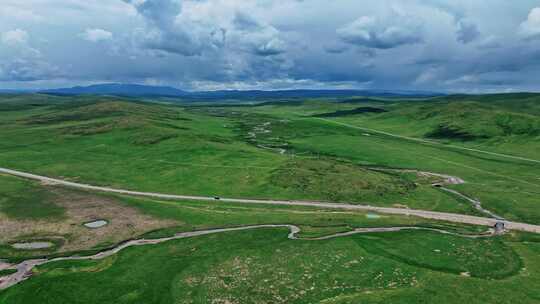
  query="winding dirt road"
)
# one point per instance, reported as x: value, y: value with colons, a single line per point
x: 24, y: 269
x: 443, y: 216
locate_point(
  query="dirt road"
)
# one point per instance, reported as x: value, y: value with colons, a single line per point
x: 431, y: 142
x: 447, y: 180
x: 451, y: 217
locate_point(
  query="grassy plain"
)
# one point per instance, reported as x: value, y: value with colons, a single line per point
x: 304, y: 149
x: 130, y: 217
x: 263, y: 266
x: 21, y: 200
x: 508, y: 186
x: 199, y: 151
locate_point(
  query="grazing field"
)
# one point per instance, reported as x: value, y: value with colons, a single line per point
x: 198, y: 151
x: 392, y: 153
x: 34, y: 220
x: 264, y: 266
x: 129, y: 217
x: 23, y: 201
x: 506, y: 185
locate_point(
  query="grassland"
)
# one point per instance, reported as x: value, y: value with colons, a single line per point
x: 312, y: 149
x: 130, y: 217
x: 507, y: 186
x: 52, y: 214
x: 264, y: 266
x: 198, y: 151
x: 21, y: 200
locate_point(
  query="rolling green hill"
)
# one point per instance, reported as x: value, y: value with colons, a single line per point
x: 363, y: 151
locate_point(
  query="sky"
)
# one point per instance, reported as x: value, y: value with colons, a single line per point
x: 472, y: 46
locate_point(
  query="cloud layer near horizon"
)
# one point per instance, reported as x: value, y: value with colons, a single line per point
x: 459, y: 45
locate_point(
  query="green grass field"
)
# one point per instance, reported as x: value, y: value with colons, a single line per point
x: 299, y: 150
x: 170, y: 217
x: 264, y: 266
x: 507, y: 186
x: 195, y: 151
x: 21, y: 200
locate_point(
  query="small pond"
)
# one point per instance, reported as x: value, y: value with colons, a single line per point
x: 32, y: 245
x: 96, y: 224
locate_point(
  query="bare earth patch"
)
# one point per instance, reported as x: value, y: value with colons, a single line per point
x: 124, y: 222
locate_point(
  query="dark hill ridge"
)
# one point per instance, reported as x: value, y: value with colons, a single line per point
x: 362, y: 110
x: 135, y: 90
x: 118, y: 89
x: 234, y: 94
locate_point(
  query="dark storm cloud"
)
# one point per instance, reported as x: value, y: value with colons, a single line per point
x: 243, y: 21
x: 261, y: 39
x: 336, y: 48
x: 421, y: 44
x: 162, y: 32
x: 159, y: 12
x: 467, y: 32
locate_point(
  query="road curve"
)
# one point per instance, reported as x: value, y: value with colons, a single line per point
x: 24, y: 269
x: 447, y: 180
x: 443, y: 216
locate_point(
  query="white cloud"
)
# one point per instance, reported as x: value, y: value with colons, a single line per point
x: 193, y: 28
x: 167, y: 30
x: 428, y: 76
x: 257, y: 37
x: 464, y: 79
x: 466, y: 30
x: 96, y: 35
x: 375, y: 33
x: 19, y: 14
x: 17, y: 42
x: 15, y: 37
x: 530, y: 28
x: 235, y: 42
x: 489, y: 42
x: 23, y: 69
x: 20, y: 61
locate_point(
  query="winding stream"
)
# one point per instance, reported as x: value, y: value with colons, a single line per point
x: 476, y: 203
x: 448, y: 180
x: 24, y: 269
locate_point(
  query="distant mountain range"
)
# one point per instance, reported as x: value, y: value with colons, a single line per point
x: 118, y: 89
x: 234, y: 94
x: 3, y: 91
x: 136, y: 90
